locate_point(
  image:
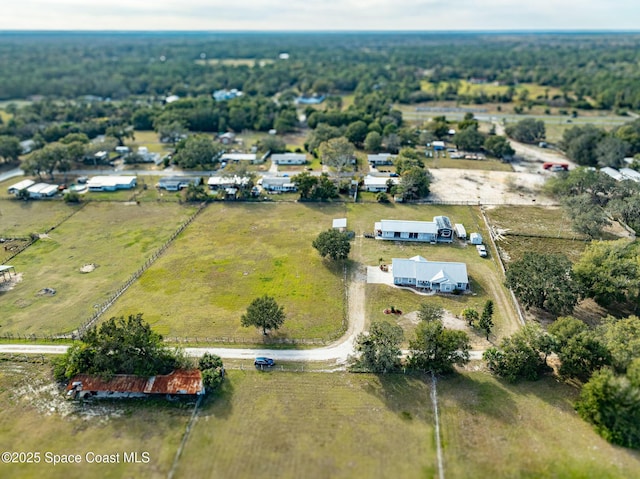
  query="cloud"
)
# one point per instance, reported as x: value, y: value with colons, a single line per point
x: 318, y: 15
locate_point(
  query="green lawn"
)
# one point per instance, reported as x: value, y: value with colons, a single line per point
x: 529, y: 430
x: 311, y: 425
x: 150, y: 140
x: 20, y: 218
x: 118, y: 238
x: 233, y: 253
x: 466, y: 88
x: 36, y: 417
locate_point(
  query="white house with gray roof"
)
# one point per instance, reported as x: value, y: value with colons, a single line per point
x: 289, y: 158
x: 432, y: 275
x: 439, y: 230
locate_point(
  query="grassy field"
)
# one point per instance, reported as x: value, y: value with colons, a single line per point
x: 150, y: 140
x: 35, y: 417
x: 118, y: 238
x: 20, y: 218
x: 313, y: 426
x: 486, y: 277
x: 233, y: 253
x: 473, y: 89
x: 551, y: 224
x: 529, y: 430
x: 486, y: 165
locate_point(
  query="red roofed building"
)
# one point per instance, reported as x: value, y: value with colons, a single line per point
x: 181, y: 382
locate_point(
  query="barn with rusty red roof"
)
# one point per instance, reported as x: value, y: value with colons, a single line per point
x: 181, y: 382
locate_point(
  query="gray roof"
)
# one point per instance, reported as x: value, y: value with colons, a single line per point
x: 409, y: 226
x: 432, y: 271
x: 288, y: 156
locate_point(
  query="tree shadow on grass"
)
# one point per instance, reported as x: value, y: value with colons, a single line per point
x: 403, y: 394
x: 219, y: 402
x: 489, y: 398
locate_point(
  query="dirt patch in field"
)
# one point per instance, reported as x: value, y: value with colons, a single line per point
x: 88, y: 268
x: 10, y: 283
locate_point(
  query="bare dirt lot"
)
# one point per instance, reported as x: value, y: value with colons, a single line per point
x: 488, y: 187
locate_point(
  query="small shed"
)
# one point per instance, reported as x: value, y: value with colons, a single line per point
x: 340, y: 224
x: 475, y: 238
x: 461, y: 233
x: 5, y: 271
x: 438, y: 145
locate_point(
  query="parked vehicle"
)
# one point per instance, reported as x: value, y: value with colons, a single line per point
x: 482, y: 251
x: 261, y: 361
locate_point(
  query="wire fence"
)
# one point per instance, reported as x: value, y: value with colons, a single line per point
x: 102, y: 308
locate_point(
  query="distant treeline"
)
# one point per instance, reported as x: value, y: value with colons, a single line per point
x: 592, y: 70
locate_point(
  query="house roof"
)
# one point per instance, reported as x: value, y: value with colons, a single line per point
x: 380, y: 157
x: 630, y: 174
x: 409, y: 226
x: 288, y: 156
x: 98, y: 181
x: 379, y: 180
x: 612, y: 172
x: 181, y: 381
x: 227, y: 180
x: 238, y: 157
x: 432, y: 271
x: 22, y: 185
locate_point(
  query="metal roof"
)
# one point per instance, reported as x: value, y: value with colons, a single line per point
x: 181, y: 381
x: 409, y: 226
x: 432, y: 271
x: 340, y: 223
x: 21, y: 185
x: 6, y: 267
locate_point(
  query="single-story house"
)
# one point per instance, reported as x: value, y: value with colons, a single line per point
x: 227, y: 138
x: 223, y: 95
x: 380, y: 159
x: 176, y: 183
x: 461, y: 232
x: 42, y: 190
x: 181, y: 382
x: 123, y: 150
x: 630, y: 174
x: 18, y: 187
x: 223, y: 182
x: 438, y: 145
x: 377, y: 184
x: 289, y: 158
x: 277, y: 183
x: 112, y: 183
x: 171, y: 99
x: 309, y: 100
x: 238, y: 157
x: 439, y: 230
x: 433, y: 275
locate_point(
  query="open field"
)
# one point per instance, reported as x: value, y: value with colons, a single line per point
x: 116, y: 237
x: 489, y: 164
x: 20, y: 218
x: 338, y: 425
x: 492, y: 88
x: 549, y: 228
x: 150, y: 140
x: 233, y: 253
x: 36, y: 417
x: 530, y: 430
x: 486, y: 277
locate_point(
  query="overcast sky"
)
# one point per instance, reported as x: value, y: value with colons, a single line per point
x: 305, y: 15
